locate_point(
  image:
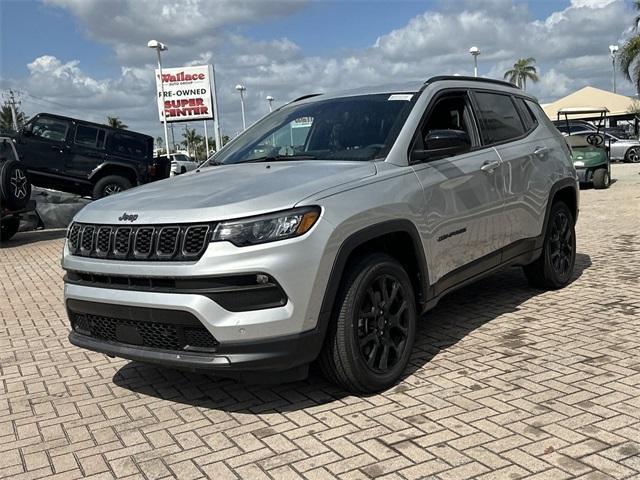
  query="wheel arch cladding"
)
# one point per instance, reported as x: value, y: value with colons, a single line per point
x: 397, y: 238
x: 115, y: 169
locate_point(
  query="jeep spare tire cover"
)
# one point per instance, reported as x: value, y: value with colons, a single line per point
x: 15, y: 188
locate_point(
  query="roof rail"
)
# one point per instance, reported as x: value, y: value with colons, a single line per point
x: 440, y: 78
x: 304, y: 97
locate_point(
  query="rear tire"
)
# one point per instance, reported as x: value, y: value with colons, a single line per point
x: 15, y: 188
x: 373, y: 328
x: 601, y: 179
x: 110, y: 185
x: 554, y: 268
x: 8, y: 228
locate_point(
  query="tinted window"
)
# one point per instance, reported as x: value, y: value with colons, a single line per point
x: 499, y: 118
x: 128, y: 145
x: 87, y: 136
x: 50, y: 128
x: 529, y: 119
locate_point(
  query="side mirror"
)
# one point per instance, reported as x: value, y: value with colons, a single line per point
x: 443, y: 143
x: 27, y: 129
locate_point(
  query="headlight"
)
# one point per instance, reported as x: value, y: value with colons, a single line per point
x: 267, y: 228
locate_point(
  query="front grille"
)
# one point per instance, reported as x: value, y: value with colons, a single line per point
x: 158, y: 335
x: 145, y: 242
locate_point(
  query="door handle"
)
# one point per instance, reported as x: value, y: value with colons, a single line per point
x: 489, y: 167
x: 540, y: 151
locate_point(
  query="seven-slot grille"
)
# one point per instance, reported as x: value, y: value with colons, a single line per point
x: 161, y: 242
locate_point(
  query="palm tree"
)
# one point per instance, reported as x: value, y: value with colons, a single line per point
x: 115, y: 122
x: 191, y: 140
x: 522, y: 71
x: 630, y: 54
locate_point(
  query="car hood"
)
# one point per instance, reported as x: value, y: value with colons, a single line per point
x: 225, y: 192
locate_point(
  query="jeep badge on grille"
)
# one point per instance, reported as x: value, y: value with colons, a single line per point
x: 128, y: 217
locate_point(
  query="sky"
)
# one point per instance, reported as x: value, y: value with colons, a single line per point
x: 89, y: 59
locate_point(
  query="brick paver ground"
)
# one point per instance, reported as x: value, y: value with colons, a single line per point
x: 505, y: 382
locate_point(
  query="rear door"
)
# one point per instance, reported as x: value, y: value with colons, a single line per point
x: 507, y: 124
x: 463, y: 196
x: 87, y: 150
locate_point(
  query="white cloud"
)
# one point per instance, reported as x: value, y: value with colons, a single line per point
x: 570, y: 46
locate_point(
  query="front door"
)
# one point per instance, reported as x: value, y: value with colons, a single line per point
x: 44, y: 149
x: 463, y: 197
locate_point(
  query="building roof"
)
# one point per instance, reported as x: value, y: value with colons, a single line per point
x: 591, y: 98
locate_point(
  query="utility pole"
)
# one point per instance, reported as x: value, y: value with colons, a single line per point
x: 11, y: 100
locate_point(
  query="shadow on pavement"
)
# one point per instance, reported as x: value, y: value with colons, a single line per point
x: 455, y: 317
x: 24, y: 238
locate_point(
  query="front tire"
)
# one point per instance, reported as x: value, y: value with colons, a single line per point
x: 110, y: 185
x: 554, y: 268
x: 373, y: 329
x: 601, y: 179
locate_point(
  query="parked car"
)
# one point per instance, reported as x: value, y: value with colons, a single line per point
x: 85, y: 158
x: 573, y: 126
x: 15, y: 190
x: 182, y: 163
x: 327, y: 248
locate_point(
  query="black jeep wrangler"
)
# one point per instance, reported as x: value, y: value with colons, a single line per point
x: 85, y: 158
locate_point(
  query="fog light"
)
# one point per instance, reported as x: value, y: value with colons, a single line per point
x: 262, y: 279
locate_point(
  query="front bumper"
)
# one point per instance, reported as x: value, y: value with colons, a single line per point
x: 274, y: 354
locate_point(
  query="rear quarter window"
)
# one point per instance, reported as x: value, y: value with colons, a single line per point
x: 128, y: 145
x: 528, y: 118
x: 499, y: 118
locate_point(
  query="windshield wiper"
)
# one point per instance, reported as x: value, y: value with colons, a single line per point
x: 280, y: 158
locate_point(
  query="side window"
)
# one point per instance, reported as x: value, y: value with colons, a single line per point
x: 127, y: 145
x: 87, y: 136
x: 499, y: 119
x: 529, y: 119
x: 50, y: 129
x: 447, y: 130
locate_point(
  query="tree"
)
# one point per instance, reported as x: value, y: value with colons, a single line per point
x: 522, y: 71
x: 115, y: 122
x: 6, y: 118
x: 630, y: 53
x: 191, y: 140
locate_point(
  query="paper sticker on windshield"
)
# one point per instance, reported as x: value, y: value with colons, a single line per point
x: 401, y: 96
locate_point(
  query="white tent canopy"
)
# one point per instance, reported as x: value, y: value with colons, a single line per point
x: 591, y: 98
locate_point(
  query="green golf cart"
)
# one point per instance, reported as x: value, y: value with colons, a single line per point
x: 590, y: 153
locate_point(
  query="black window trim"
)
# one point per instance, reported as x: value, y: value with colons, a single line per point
x: 476, y: 141
x: 528, y: 112
x: 477, y: 108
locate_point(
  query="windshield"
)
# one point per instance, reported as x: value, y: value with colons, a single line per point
x: 349, y: 128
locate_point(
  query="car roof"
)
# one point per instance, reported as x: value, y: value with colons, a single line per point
x: 93, y: 124
x: 414, y: 86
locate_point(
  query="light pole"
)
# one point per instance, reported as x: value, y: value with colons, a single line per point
x: 161, y: 47
x: 613, y: 49
x: 270, y: 100
x: 475, y: 51
x: 241, y: 88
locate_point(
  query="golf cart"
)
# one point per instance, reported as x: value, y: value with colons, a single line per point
x: 589, y: 152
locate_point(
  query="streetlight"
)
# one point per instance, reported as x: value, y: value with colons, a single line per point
x: 270, y: 100
x: 241, y: 88
x: 161, y: 47
x: 475, y: 51
x: 614, y: 49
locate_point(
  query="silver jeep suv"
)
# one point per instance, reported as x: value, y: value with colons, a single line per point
x: 324, y: 231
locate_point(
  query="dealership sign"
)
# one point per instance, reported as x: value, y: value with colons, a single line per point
x: 187, y: 94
